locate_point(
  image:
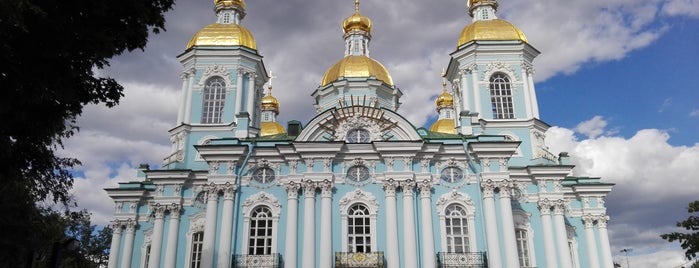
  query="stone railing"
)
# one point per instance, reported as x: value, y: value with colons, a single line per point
x: 359, y: 259
x: 462, y: 260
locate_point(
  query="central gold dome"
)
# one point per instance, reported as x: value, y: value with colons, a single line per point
x: 446, y: 99
x: 357, y: 66
x: 217, y: 34
x: 269, y: 102
x: 444, y: 126
x: 240, y: 3
x: 271, y: 128
x: 491, y: 30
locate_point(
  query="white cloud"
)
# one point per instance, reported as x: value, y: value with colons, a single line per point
x: 593, y: 127
x: 654, y: 181
x: 681, y: 7
x: 694, y: 113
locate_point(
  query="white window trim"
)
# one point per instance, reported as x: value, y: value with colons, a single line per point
x: 522, y: 221
x: 144, y: 249
x: 465, y: 201
x: 570, y: 230
x: 196, y: 224
x: 366, y: 199
x: 251, y: 203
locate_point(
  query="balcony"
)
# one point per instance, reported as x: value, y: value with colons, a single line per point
x: 359, y: 260
x: 462, y: 260
x: 257, y: 261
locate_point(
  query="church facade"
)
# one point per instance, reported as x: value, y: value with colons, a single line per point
x: 358, y: 185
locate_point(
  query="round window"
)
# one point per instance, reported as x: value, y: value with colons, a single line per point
x: 358, y: 135
x: 358, y: 173
x: 263, y: 175
x: 452, y: 174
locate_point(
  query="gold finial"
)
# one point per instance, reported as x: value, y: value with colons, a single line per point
x: 444, y: 79
x: 271, y: 77
x: 356, y: 6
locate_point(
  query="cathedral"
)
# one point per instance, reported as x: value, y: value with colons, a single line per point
x: 358, y: 185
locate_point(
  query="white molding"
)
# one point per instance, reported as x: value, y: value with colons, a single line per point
x: 466, y: 202
x: 364, y: 198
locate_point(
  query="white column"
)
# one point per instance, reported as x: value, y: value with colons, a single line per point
x: 559, y: 226
x: 188, y: 95
x: 589, y: 222
x: 532, y: 90
x: 476, y: 91
x: 392, y: 255
x: 309, y: 238
x: 172, y: 232
x: 156, y: 245
x: 183, y: 100
x: 251, y: 96
x: 290, y: 253
x: 207, y: 254
x: 491, y: 224
x: 547, y: 228
x: 326, y: 238
x: 239, y: 92
x: 128, y: 243
x: 114, y: 248
x: 604, y: 242
x: 428, y: 253
x: 508, y: 225
x: 525, y: 90
x: 465, y: 103
x: 409, y: 234
x: 224, y: 246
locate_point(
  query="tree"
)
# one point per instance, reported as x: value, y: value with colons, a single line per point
x: 688, y: 240
x: 48, y: 53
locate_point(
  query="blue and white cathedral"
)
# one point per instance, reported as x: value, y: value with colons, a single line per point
x: 358, y: 185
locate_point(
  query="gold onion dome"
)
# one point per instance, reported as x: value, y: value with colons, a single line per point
x: 444, y: 126
x: 271, y: 128
x: 356, y: 21
x: 269, y: 102
x: 357, y: 66
x: 229, y: 3
x: 217, y: 34
x: 446, y: 99
x: 491, y: 30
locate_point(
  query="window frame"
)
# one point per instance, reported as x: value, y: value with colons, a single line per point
x: 449, y: 227
x: 358, y: 197
x: 249, y: 206
x: 522, y: 220
x: 465, y: 201
x: 253, y: 231
x: 359, y: 211
x: 501, y: 96
x: 213, y: 103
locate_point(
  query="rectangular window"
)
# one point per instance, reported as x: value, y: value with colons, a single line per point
x: 197, y: 244
x: 523, y: 247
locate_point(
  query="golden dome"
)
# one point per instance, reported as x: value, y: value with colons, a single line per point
x: 239, y: 3
x: 356, y: 66
x: 269, y: 102
x: 446, y: 99
x: 356, y: 21
x: 444, y: 126
x: 217, y: 34
x: 492, y: 30
x: 271, y: 128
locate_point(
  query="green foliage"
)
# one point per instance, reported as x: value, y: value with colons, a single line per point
x: 50, y: 51
x: 688, y: 240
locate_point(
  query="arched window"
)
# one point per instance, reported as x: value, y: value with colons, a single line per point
x: 501, y: 97
x: 359, y: 229
x: 358, y: 135
x: 197, y: 245
x: 260, y: 235
x: 456, y: 223
x: 358, y: 173
x: 214, y: 98
x: 523, y: 247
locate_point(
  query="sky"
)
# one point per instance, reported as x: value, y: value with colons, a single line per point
x: 616, y: 80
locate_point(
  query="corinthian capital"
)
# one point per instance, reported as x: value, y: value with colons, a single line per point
x: 309, y: 189
x: 228, y: 190
x: 545, y: 206
x: 326, y: 188
x: 292, y: 190
x: 425, y: 188
x: 158, y: 211
x: 488, y: 188
x: 175, y: 210
x: 408, y: 187
x: 389, y: 186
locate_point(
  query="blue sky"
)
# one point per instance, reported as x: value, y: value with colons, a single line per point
x: 653, y: 87
x: 618, y: 81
